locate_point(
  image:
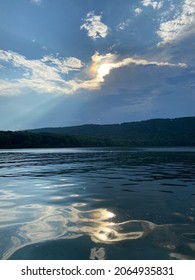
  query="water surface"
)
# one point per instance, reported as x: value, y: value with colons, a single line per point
x: 97, y: 203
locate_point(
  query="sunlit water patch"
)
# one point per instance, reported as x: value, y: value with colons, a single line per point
x: 97, y: 203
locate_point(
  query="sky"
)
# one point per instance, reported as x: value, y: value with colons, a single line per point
x: 73, y: 62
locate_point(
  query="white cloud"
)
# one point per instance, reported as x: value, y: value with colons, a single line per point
x: 138, y: 11
x: 63, y: 65
x: 42, y: 75
x: 36, y: 2
x: 47, y: 64
x: 95, y: 28
x: 154, y: 4
x: 115, y: 62
x: 180, y: 26
x: 129, y: 60
x: 122, y: 25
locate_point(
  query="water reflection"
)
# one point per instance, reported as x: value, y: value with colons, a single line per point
x: 72, y: 222
x: 109, y: 233
x: 118, y: 200
x: 101, y: 226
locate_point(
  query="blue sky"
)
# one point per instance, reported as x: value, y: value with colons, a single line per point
x: 70, y: 62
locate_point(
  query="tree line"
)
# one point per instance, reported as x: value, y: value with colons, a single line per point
x: 156, y: 132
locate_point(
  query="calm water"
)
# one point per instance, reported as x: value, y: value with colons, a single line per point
x: 97, y: 203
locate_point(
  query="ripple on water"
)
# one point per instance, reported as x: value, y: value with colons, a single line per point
x: 120, y: 204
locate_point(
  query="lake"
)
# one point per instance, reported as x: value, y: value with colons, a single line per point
x: 97, y: 203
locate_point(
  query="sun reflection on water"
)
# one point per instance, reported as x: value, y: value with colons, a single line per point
x: 74, y: 221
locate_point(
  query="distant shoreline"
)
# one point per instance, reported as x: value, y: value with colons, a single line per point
x: 152, y: 133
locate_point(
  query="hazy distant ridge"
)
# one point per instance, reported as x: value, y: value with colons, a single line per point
x: 179, y: 131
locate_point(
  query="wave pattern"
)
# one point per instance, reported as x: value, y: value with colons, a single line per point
x: 129, y: 204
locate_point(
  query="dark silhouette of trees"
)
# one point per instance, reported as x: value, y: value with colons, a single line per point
x: 157, y: 132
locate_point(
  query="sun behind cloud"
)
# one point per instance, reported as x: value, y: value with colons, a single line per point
x: 102, y: 65
x: 103, y: 70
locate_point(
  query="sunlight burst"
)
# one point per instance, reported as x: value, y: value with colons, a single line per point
x: 103, y: 70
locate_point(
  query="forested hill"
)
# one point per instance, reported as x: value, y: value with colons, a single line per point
x: 179, y: 131
x: 156, y: 132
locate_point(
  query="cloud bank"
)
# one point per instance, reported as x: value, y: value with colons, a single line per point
x: 48, y: 75
x: 43, y: 75
x: 180, y: 26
